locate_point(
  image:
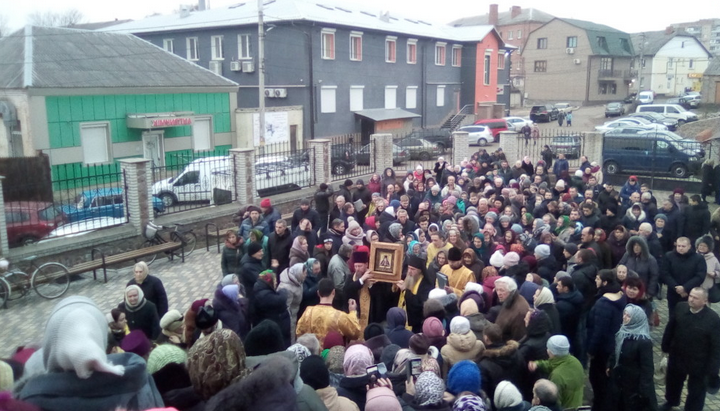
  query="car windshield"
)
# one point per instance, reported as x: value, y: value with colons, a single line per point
x: 49, y: 213
x: 614, y: 105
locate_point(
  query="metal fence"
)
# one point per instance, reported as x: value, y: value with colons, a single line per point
x: 420, y: 147
x: 552, y: 142
x: 351, y: 157
x: 84, y: 198
x: 283, y: 167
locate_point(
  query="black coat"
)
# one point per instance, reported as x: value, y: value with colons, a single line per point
x: 354, y: 389
x: 554, y: 316
x: 569, y: 306
x: 145, y: 319
x: 310, y: 214
x: 310, y: 296
x: 547, y: 268
x: 687, y: 270
x: 272, y: 305
x: 233, y: 315
x: 322, y: 200
x: 604, y: 320
x: 693, y: 340
x: 632, y: 378
x: 154, y: 292
x: 279, y: 247
x: 249, y: 272
x: 697, y: 221
x: 414, y: 304
x: 584, y: 278
x: 501, y: 362
x: 533, y: 347
x: 230, y: 260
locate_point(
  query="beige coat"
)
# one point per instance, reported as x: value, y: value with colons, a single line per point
x: 713, y: 271
x: 460, y: 347
x: 333, y: 402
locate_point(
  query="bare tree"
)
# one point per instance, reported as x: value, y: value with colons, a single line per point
x: 65, y: 18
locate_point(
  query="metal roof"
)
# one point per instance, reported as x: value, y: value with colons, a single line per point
x: 321, y: 11
x: 51, y: 57
x: 655, y: 40
x: 381, y: 114
x: 714, y: 68
x: 612, y: 38
x: 505, y: 18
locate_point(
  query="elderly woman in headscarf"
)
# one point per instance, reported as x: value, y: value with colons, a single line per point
x: 215, y: 362
x: 299, y: 250
x: 357, y: 358
x: 473, y: 263
x: 545, y: 301
x: 72, y: 372
x: 271, y: 303
x: 292, y: 279
x: 565, y: 229
x: 231, y: 309
x: 354, y: 234
x: 631, y: 365
x: 141, y: 314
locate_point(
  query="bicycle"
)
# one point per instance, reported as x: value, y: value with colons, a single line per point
x: 179, y: 234
x: 49, y: 280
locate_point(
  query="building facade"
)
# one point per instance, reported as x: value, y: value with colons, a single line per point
x: 706, y: 30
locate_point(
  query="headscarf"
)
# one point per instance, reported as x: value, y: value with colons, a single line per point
x: 309, y: 266
x: 269, y: 277
x: 410, y: 248
x: 228, y: 279
x: 357, y: 358
x: 298, y: 247
x: 545, y: 297
x: 300, y: 351
x: 565, y: 224
x: 295, y: 274
x: 258, y: 235
x: 334, y: 359
x: 141, y: 298
x: 429, y: 389
x: 636, y: 329
x: 396, y: 318
x: 215, y: 362
x: 478, y: 251
x: 231, y: 291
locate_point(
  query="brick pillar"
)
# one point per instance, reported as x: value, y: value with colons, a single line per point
x: 4, y: 246
x: 244, y: 174
x: 510, y: 143
x: 138, y: 183
x: 460, y: 149
x: 593, y: 146
x: 320, y: 160
x: 383, y: 151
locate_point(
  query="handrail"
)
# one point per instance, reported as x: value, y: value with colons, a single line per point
x: 462, y: 112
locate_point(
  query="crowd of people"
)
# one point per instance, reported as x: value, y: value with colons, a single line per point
x: 518, y: 284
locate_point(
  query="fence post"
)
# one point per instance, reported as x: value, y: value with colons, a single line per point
x: 4, y: 245
x: 321, y: 160
x: 510, y: 144
x: 244, y: 174
x: 138, y: 183
x: 383, y: 151
x: 461, y: 147
x: 593, y: 146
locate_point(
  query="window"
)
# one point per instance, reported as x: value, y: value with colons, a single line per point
x: 519, y: 34
x: 571, y: 42
x: 411, y: 97
x: 390, y: 96
x: 669, y: 63
x: 96, y: 143
x: 691, y: 63
x: 327, y: 45
x: 244, y: 46
x: 625, y: 44
x: 412, y: 51
x: 356, y: 46
x: 540, y: 66
x: 356, y: 98
x: 440, y: 96
x: 216, y: 47
x: 202, y: 134
x: 542, y: 43
x: 501, y: 60
x: 606, y: 63
x: 486, y: 70
x: 510, y: 35
x: 327, y: 99
x: 643, y: 63
x: 168, y: 45
x: 456, y: 56
x: 440, y: 54
x: 602, y: 42
x: 191, y: 43
x: 390, y: 49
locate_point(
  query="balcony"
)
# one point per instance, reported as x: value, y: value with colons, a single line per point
x: 616, y: 74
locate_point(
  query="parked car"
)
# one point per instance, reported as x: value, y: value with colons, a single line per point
x: 630, y: 122
x: 568, y: 145
x: 440, y: 137
x: 29, y: 221
x: 102, y: 202
x: 364, y: 155
x: 419, y: 149
x: 478, y: 135
x: 669, y: 110
x: 614, y: 109
x: 646, y: 97
x: 496, y: 126
x: 517, y: 123
x: 342, y: 159
x: 543, y: 113
x: 661, y: 155
x: 630, y: 98
x: 82, y: 227
x: 563, y: 107
x: 668, y: 122
x: 692, y: 99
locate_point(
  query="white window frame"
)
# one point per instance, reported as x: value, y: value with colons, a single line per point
x: 519, y: 34
x: 440, y: 53
x: 244, y: 52
x: 411, y: 43
x: 217, y: 52
x: 356, y: 55
x: 411, y: 97
x: 191, y: 46
x: 487, y: 68
x: 325, y: 36
x: 391, y: 97
x: 357, y: 96
x: 510, y: 35
x: 440, y: 96
x: 328, y: 99
x: 457, y: 62
x: 197, y: 146
x: 169, y: 45
x: 91, y: 151
x: 390, y: 49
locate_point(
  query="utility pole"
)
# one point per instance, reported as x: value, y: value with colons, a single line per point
x: 261, y: 74
x: 640, y: 63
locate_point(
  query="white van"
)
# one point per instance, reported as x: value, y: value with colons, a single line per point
x: 669, y: 110
x: 646, y: 97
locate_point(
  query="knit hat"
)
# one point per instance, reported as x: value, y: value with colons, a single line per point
x: 373, y: 330
x: 301, y: 351
x: 332, y: 339
x: 491, y: 214
x: 433, y: 327
x: 436, y: 293
x: 661, y: 216
x: 395, y: 230
x: 516, y: 228
x: 459, y: 325
x: 228, y: 279
x: 136, y: 342
x: 382, y: 399
x: 334, y: 359
x: 561, y: 274
x: 454, y: 254
x: 469, y: 403
x: 464, y: 376
x: 496, y: 260
x: 542, y: 250
x: 558, y: 345
x: 352, y: 224
x: 265, y: 338
x: 507, y: 395
x: 265, y: 203
x: 206, y: 318
x: 388, y: 355
x: 511, y: 259
x: 314, y: 372
x: 253, y: 248
x: 171, y: 321
x: 419, y: 344
x: 395, y: 204
x: 505, y: 218
x: 429, y: 389
x: 163, y: 355
x: 571, y: 248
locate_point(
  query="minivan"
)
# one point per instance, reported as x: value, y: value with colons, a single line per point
x: 646, y: 97
x: 669, y: 110
x: 661, y: 154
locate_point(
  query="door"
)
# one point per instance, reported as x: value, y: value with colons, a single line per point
x: 153, y: 148
x: 717, y: 92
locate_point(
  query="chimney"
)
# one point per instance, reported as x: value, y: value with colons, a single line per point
x: 201, y: 5
x: 515, y: 11
x: 669, y: 30
x: 493, y: 16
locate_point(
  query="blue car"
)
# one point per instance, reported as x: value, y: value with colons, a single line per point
x: 102, y: 202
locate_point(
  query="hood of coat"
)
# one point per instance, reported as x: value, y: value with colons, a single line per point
x: 501, y: 350
x: 462, y: 342
x: 644, y: 253
x: 539, y: 325
x: 629, y: 214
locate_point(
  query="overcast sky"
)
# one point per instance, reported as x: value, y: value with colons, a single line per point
x: 627, y: 15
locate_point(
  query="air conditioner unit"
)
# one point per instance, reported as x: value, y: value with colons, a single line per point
x: 248, y: 66
x: 576, y: 61
x: 281, y: 92
x: 235, y: 66
x: 570, y: 50
x: 216, y: 67
x: 270, y: 92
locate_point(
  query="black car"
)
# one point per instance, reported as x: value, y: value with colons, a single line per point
x: 568, y: 145
x: 614, y: 109
x: 441, y: 137
x: 544, y: 113
x: 342, y: 158
x: 419, y: 149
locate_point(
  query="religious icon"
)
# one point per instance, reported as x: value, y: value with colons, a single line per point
x: 386, y: 261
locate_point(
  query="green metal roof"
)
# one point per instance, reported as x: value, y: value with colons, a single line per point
x: 617, y: 43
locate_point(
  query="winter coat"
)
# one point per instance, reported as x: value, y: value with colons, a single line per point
x: 309, y: 296
x: 334, y: 402
x: 322, y: 255
x: 322, y: 201
x: 567, y: 374
x: 501, y: 362
x: 627, y: 190
x: 533, y: 346
x: 697, y: 221
x: 583, y: 276
x: 272, y: 305
x: 247, y: 225
x: 279, y: 247
x: 561, y: 168
x: 250, y: 269
x: 569, y: 306
x: 414, y: 303
x: 230, y: 259
x: 232, y: 314
x: 298, y: 256
x: 547, y: 268
x: 688, y: 270
x: 603, y: 322
x: 338, y: 271
x: 644, y: 265
x: 294, y: 297
x: 693, y: 340
x: 631, y: 222
x: 552, y: 312
x: 617, y: 247
x: 632, y: 378
x: 308, y: 400
x: 154, y: 292
x: 713, y: 267
x: 145, y: 319
x: 511, y: 318
x: 354, y: 388
x: 310, y: 214
x: 460, y: 347
x: 270, y: 217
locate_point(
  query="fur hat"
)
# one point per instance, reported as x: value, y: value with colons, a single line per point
x: 436, y: 293
x: 360, y: 257
x: 265, y: 338
x: 206, y: 318
x: 707, y: 240
x: 416, y: 262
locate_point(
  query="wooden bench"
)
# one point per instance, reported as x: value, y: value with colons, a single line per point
x: 213, y: 231
x: 104, y: 261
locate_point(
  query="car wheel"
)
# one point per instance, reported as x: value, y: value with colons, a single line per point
x: 339, y: 169
x: 679, y: 171
x: 482, y: 141
x: 424, y: 156
x: 440, y: 146
x: 612, y: 167
x: 681, y: 122
x: 168, y: 199
x: 29, y: 240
